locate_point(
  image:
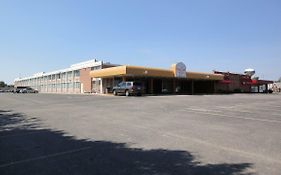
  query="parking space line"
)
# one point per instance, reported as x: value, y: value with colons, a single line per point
x: 237, y: 117
x: 209, y: 144
x: 233, y: 109
x: 44, y: 157
x: 250, y: 112
x: 229, y: 149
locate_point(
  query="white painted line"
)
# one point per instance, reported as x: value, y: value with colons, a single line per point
x: 214, y: 113
x: 209, y: 144
x: 251, y: 112
x: 44, y: 157
x: 229, y: 149
x: 266, y: 109
x: 244, y: 110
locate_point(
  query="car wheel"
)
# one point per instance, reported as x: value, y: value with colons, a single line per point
x: 114, y: 93
x: 127, y: 93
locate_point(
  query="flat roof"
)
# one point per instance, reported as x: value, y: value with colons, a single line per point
x: 73, y: 67
x: 150, y: 72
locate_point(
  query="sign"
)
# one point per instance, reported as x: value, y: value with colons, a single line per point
x: 180, y: 70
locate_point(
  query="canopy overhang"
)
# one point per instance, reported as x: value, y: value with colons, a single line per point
x: 137, y: 71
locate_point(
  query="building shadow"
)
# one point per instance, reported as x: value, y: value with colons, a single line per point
x: 27, y: 149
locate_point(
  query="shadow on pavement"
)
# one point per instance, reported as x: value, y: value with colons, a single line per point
x: 27, y: 149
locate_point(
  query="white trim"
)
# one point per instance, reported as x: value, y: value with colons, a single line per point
x: 78, y: 66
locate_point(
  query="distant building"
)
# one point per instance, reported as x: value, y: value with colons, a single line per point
x: 75, y: 79
x: 235, y: 82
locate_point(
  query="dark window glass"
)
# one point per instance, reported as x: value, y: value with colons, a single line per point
x: 129, y: 84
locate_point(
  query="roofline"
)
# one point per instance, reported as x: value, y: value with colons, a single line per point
x: 77, y: 66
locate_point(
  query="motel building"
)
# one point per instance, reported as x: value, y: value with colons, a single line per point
x: 100, y: 77
x: 73, y: 80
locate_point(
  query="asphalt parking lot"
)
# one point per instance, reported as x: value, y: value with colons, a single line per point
x: 87, y: 134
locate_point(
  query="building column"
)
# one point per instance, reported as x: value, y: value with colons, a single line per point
x: 73, y: 83
x: 61, y: 80
x: 56, y: 82
x: 101, y: 86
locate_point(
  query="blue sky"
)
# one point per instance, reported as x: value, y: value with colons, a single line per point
x: 227, y: 35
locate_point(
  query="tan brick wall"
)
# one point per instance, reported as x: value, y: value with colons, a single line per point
x: 85, y: 79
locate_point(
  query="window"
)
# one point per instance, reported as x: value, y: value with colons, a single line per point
x: 95, y: 67
x: 129, y: 84
x: 59, y: 86
x: 70, y: 85
x: 122, y: 84
x: 63, y: 75
x: 77, y: 73
x: 69, y: 74
x: 77, y: 85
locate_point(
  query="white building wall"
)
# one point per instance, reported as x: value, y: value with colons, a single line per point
x: 60, y: 81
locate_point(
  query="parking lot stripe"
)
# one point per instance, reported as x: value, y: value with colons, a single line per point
x: 244, y: 153
x: 209, y: 144
x: 252, y: 109
x: 208, y: 112
x: 44, y: 157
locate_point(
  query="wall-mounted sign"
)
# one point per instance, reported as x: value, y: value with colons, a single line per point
x: 180, y: 70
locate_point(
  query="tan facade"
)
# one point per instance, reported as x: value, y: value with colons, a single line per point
x: 150, y: 72
x: 157, y: 81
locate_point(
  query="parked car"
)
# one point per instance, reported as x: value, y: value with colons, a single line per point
x: 128, y: 88
x: 30, y: 90
x: 25, y: 90
x: 18, y: 89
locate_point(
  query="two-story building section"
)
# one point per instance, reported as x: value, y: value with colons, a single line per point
x: 75, y: 79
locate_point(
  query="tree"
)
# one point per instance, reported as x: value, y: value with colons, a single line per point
x: 2, y: 84
x: 279, y: 80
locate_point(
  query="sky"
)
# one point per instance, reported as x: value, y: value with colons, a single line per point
x: 225, y: 35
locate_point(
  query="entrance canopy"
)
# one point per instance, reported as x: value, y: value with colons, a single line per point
x: 137, y: 71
